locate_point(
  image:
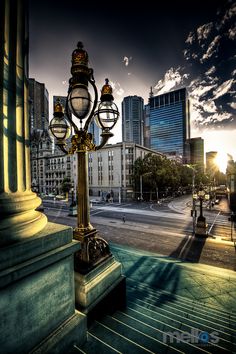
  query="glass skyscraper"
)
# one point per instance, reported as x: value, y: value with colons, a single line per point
x: 132, y: 119
x: 169, y: 123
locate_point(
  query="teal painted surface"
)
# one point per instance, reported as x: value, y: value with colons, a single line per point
x: 35, y: 306
x: 198, y: 282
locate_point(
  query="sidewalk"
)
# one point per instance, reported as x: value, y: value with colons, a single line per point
x: 200, y: 283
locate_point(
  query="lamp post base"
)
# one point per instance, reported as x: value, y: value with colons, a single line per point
x: 94, y: 250
x: 201, y: 227
x: 101, y: 289
x: 73, y: 210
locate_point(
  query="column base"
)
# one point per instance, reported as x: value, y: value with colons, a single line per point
x: 19, y: 219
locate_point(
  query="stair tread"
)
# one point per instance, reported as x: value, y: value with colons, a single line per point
x: 95, y: 344
x: 131, y: 284
x: 159, y: 328
x: 162, y: 309
x: 151, y: 317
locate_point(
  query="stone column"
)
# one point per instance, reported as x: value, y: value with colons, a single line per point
x: 18, y: 218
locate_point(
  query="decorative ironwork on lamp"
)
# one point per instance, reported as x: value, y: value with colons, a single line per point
x: 79, y: 113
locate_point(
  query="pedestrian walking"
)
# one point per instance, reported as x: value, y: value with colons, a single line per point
x: 123, y: 218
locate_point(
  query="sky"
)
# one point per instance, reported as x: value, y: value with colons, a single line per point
x: 164, y: 45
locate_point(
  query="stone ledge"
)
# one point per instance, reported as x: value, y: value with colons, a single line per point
x: 24, y: 269
x: 51, y: 237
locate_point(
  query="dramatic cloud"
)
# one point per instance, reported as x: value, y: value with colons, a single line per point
x: 232, y: 33
x: 172, y: 78
x: 212, y: 49
x: 223, y: 88
x: 208, y: 72
x: 203, y: 31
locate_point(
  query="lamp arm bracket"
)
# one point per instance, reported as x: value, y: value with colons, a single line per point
x: 62, y: 147
x: 105, y: 137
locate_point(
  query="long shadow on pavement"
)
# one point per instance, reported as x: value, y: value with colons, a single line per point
x: 189, y: 249
x: 149, y: 272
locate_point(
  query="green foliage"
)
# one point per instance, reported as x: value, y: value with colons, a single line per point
x: 66, y: 185
x: 157, y: 173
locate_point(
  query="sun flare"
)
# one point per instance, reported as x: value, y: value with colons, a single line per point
x: 221, y: 161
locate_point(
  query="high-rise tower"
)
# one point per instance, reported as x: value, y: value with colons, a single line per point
x: 132, y: 119
x: 38, y: 105
x: 169, y: 123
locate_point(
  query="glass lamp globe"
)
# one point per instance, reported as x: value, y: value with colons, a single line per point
x: 59, y: 128
x: 106, y: 115
x: 79, y: 101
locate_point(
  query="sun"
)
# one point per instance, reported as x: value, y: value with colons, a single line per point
x: 221, y: 161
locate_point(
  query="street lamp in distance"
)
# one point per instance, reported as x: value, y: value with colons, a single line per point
x: 201, y: 226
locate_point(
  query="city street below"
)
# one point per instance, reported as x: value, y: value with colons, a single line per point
x: 164, y: 228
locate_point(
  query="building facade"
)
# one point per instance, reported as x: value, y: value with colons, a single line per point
x: 169, y: 123
x: 38, y: 106
x: 132, y: 119
x: 197, y: 152
x: 146, y: 128
x: 211, y: 166
x: 49, y: 166
x: 111, y: 170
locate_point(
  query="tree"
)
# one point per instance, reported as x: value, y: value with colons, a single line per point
x: 66, y: 186
x: 158, y: 173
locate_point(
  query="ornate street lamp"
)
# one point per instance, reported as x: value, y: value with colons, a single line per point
x: 80, y: 111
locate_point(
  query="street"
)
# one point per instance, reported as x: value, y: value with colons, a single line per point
x: 165, y: 229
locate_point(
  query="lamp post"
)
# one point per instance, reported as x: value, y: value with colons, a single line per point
x: 194, y: 197
x: 80, y: 111
x: 141, y: 187
x: 72, y: 197
x: 35, y: 141
x: 201, y: 227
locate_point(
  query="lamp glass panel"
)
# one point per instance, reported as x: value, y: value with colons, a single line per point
x: 59, y: 128
x: 79, y: 102
x: 107, y: 115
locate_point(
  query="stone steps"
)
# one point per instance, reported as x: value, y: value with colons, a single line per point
x: 151, y: 317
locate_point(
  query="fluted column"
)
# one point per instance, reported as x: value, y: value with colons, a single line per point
x: 18, y: 218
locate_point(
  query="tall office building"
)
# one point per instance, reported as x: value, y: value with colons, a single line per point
x: 38, y: 106
x: 169, y: 123
x: 132, y: 119
x: 197, y: 152
x: 211, y: 165
x: 146, y: 126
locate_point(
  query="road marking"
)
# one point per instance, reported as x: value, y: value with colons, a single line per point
x: 213, y: 222
x: 184, y: 247
x: 98, y: 212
